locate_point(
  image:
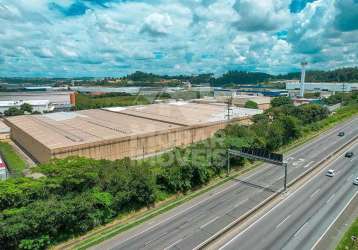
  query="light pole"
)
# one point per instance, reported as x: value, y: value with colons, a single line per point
x: 228, y: 163
x: 303, y: 75
x: 285, y: 179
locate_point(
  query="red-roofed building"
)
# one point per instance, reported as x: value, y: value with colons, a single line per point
x: 3, y: 170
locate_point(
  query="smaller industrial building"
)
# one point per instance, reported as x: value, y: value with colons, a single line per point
x: 118, y: 132
x: 263, y: 102
x: 294, y: 87
x: 40, y: 100
x: 250, y: 90
x: 37, y: 105
x: 3, y: 170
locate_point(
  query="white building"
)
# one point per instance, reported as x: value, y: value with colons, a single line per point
x: 323, y: 86
x: 59, y: 99
x: 37, y: 105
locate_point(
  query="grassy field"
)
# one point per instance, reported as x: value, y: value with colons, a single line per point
x: 14, y: 162
x: 346, y: 242
x: 84, y: 101
x: 89, y: 102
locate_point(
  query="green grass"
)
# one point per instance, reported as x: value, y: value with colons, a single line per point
x: 89, y: 102
x: 84, y: 101
x: 14, y: 162
x: 346, y: 241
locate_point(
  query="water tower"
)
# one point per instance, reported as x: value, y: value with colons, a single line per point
x: 303, y: 74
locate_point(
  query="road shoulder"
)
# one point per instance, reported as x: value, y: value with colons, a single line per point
x: 335, y: 233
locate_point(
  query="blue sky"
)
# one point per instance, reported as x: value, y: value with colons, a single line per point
x: 69, y: 38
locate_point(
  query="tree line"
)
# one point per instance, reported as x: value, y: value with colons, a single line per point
x: 139, y: 78
x: 79, y: 194
x: 23, y: 109
x: 246, y: 77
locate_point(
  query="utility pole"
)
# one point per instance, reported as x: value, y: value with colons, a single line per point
x: 303, y: 75
x: 143, y: 154
x: 229, y: 109
x: 343, y: 87
x: 285, y: 180
x: 228, y: 163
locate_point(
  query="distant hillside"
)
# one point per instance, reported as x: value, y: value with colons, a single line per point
x: 337, y: 75
x: 241, y: 77
x: 244, y: 77
x: 139, y: 78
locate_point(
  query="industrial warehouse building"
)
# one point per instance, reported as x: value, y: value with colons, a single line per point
x: 323, y: 86
x: 263, y: 102
x: 37, y: 105
x: 115, y: 133
x: 40, y: 100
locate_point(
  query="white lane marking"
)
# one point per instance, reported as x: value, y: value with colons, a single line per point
x: 289, y: 159
x: 179, y: 213
x: 282, y: 202
x: 334, y: 221
x: 210, y: 221
x: 330, y: 198
x: 173, y: 244
x: 316, y: 192
x: 308, y: 164
x: 150, y: 241
x: 299, y: 162
x: 298, y: 232
x: 241, y: 202
x: 283, y: 221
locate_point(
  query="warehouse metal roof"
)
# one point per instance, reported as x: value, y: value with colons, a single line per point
x: 68, y: 129
x: 184, y: 113
x: 51, y: 96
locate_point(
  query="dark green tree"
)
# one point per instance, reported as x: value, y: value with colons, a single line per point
x: 13, y: 111
x: 251, y: 105
x: 281, y: 100
x: 26, y: 107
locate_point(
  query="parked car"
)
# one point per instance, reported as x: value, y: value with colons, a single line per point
x: 341, y: 134
x: 330, y: 173
x: 349, y: 154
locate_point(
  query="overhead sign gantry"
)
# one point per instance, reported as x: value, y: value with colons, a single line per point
x: 260, y: 155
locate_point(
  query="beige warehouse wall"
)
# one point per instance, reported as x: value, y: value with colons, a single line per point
x: 32, y: 147
x: 141, y: 146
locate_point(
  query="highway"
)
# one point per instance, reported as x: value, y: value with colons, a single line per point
x: 190, y: 224
x: 299, y: 221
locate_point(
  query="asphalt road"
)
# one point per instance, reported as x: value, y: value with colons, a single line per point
x: 299, y: 221
x: 188, y: 225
